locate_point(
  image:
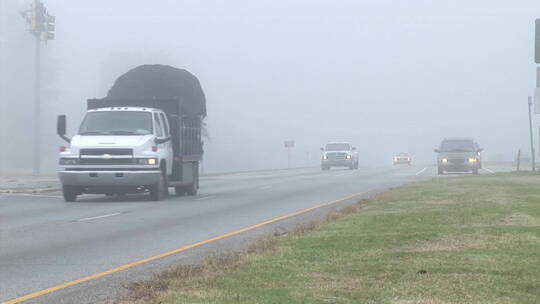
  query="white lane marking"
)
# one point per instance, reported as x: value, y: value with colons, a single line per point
x: 205, y: 198
x: 265, y: 187
x: 342, y: 174
x: 421, y: 171
x: 98, y: 217
x: 488, y: 170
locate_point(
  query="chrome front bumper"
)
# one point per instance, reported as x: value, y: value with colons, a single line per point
x: 109, y: 178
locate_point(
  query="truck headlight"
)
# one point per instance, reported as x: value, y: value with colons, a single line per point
x: 348, y: 157
x: 325, y: 157
x: 67, y: 161
x: 472, y: 160
x: 147, y: 161
x: 444, y: 160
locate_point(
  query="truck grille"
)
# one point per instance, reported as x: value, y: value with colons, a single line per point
x: 101, y: 161
x: 101, y: 152
x: 458, y: 161
x: 336, y: 156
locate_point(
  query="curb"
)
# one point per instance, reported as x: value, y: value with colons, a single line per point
x: 29, y: 191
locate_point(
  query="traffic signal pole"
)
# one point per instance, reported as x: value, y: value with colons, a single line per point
x: 37, y: 108
x: 41, y: 25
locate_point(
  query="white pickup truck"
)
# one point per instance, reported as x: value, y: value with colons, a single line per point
x: 339, y: 154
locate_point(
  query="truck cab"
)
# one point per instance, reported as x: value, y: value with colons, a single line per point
x: 339, y: 154
x: 117, y: 150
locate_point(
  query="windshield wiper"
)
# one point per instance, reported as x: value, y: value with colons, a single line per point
x: 459, y: 150
x: 122, y: 132
x: 92, y: 133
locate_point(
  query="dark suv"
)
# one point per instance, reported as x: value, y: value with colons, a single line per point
x: 458, y: 155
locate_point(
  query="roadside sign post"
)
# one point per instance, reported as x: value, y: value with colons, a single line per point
x: 531, y: 134
x: 289, y: 144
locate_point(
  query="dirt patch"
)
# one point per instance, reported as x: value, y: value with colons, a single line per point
x: 469, y: 241
x: 520, y: 219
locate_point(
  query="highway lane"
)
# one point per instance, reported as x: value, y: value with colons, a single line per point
x: 45, y: 242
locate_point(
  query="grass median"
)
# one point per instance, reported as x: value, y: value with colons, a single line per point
x: 473, y: 239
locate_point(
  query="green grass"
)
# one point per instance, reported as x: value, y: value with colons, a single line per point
x: 454, y: 240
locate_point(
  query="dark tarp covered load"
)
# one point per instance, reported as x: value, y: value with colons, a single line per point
x: 161, y: 82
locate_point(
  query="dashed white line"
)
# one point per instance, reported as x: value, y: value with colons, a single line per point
x: 421, y: 171
x: 98, y: 217
x: 488, y: 170
x: 205, y: 198
x: 342, y: 174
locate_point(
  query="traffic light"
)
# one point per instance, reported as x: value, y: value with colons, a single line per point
x: 49, y: 26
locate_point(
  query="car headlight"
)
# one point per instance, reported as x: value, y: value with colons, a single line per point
x: 147, y: 161
x: 67, y: 161
x: 472, y: 160
x: 444, y: 160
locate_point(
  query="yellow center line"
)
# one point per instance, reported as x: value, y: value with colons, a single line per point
x: 172, y: 252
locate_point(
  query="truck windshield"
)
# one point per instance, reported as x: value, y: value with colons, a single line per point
x: 457, y: 146
x: 337, y: 147
x: 117, y: 123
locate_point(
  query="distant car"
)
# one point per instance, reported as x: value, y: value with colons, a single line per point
x: 457, y: 155
x: 402, y: 158
x: 339, y: 154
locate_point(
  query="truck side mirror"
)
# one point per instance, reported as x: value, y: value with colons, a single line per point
x: 160, y: 141
x: 436, y: 150
x: 61, y: 127
x: 322, y: 149
x: 354, y: 148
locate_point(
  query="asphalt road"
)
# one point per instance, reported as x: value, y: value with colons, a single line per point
x: 45, y: 242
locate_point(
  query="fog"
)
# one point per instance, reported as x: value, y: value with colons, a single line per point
x: 387, y: 76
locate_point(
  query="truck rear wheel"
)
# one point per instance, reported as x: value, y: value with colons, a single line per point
x: 179, y: 191
x: 194, y: 187
x: 440, y: 171
x: 70, y: 193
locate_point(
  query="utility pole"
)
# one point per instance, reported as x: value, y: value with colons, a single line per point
x: 3, y: 93
x: 42, y: 26
x: 531, y: 134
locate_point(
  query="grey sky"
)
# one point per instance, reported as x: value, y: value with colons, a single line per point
x: 389, y: 76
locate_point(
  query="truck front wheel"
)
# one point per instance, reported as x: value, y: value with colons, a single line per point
x: 70, y: 193
x: 157, y: 191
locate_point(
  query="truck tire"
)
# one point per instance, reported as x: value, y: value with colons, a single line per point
x: 325, y: 168
x: 179, y: 191
x: 440, y: 171
x: 157, y: 191
x: 194, y: 187
x: 70, y: 193
x: 475, y: 171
